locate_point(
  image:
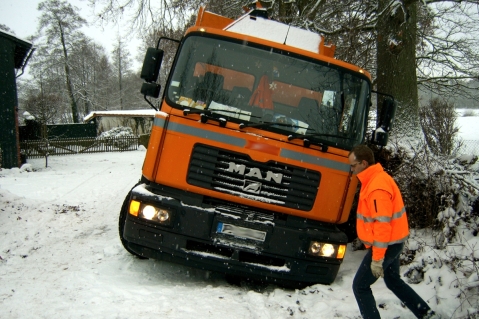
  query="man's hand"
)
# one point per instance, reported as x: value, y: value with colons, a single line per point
x: 377, y: 268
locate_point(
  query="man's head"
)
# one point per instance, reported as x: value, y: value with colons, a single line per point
x: 360, y: 158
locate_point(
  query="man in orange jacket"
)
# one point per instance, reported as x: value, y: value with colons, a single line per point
x: 383, y: 228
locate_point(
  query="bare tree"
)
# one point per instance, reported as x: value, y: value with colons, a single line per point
x: 448, y: 50
x: 43, y: 106
x: 122, y: 68
x: 145, y: 15
x: 47, y: 78
x: 60, y: 23
x: 83, y: 60
x: 5, y: 28
x: 92, y: 75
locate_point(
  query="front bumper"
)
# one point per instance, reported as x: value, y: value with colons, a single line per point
x: 194, y: 238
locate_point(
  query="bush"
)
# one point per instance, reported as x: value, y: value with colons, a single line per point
x: 441, y: 195
x: 437, y: 121
x: 432, y: 183
x: 469, y: 113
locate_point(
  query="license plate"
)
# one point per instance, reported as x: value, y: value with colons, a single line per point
x: 241, y: 232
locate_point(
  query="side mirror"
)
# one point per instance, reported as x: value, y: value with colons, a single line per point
x: 386, y: 118
x: 151, y: 89
x: 151, y: 65
x: 388, y: 112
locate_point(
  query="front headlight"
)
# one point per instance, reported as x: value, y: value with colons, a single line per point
x: 150, y: 212
x: 320, y: 249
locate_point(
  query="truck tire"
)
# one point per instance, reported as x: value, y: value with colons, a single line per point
x: 121, y: 226
x: 349, y: 227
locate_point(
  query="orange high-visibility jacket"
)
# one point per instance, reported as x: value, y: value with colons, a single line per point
x: 381, y: 216
x: 261, y: 97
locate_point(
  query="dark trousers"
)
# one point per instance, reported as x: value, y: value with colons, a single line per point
x: 364, y: 279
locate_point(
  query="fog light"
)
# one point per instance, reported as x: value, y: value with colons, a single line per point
x: 315, y: 247
x: 163, y: 215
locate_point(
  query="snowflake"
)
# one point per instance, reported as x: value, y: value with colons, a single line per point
x: 272, y: 86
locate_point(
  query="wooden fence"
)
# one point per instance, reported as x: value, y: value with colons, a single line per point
x: 42, y: 148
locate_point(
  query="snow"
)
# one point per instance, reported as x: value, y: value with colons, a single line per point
x: 468, y: 128
x: 60, y: 256
x: 28, y: 116
x: 15, y: 37
x: 117, y: 132
x: 276, y: 32
x: 120, y: 113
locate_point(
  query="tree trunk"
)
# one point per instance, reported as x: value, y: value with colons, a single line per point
x: 68, y: 78
x: 396, y: 60
x: 119, y: 75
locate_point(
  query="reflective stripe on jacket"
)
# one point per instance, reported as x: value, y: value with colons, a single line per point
x: 381, y: 216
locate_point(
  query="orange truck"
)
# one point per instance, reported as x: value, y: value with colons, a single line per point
x: 246, y: 171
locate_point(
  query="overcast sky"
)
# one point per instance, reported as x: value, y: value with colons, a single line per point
x: 21, y: 16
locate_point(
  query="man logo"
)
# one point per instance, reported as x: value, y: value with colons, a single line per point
x: 252, y: 186
x: 254, y: 172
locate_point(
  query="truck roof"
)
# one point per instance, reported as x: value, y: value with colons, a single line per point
x: 278, y: 32
x: 254, y: 25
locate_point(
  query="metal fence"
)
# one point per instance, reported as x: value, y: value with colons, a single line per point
x: 470, y: 147
x: 42, y: 148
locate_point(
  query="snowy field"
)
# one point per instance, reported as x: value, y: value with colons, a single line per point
x: 60, y: 256
x: 469, y: 129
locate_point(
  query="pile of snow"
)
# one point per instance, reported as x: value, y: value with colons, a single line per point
x: 119, y: 137
x: 117, y: 132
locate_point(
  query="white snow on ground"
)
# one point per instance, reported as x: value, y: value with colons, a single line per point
x: 60, y: 256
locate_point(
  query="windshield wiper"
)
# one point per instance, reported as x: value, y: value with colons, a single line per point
x: 268, y: 124
x: 206, y: 115
x: 307, y: 139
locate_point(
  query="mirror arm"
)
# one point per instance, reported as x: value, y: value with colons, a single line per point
x: 166, y: 38
x: 154, y: 107
x: 385, y: 94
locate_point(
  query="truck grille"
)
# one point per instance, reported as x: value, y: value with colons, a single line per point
x: 238, y: 175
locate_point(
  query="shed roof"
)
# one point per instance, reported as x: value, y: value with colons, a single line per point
x: 120, y: 113
x: 22, y: 47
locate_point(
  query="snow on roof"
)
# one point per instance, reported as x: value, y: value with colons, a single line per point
x: 11, y: 35
x: 21, y: 49
x: 128, y: 113
x: 276, y: 32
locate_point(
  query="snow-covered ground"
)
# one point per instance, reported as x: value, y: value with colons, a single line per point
x: 468, y: 126
x: 60, y: 256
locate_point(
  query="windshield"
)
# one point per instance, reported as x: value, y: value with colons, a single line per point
x: 272, y: 90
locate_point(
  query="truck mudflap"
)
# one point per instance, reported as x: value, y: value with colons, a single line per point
x: 230, y: 239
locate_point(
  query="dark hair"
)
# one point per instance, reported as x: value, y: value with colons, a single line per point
x: 363, y: 153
